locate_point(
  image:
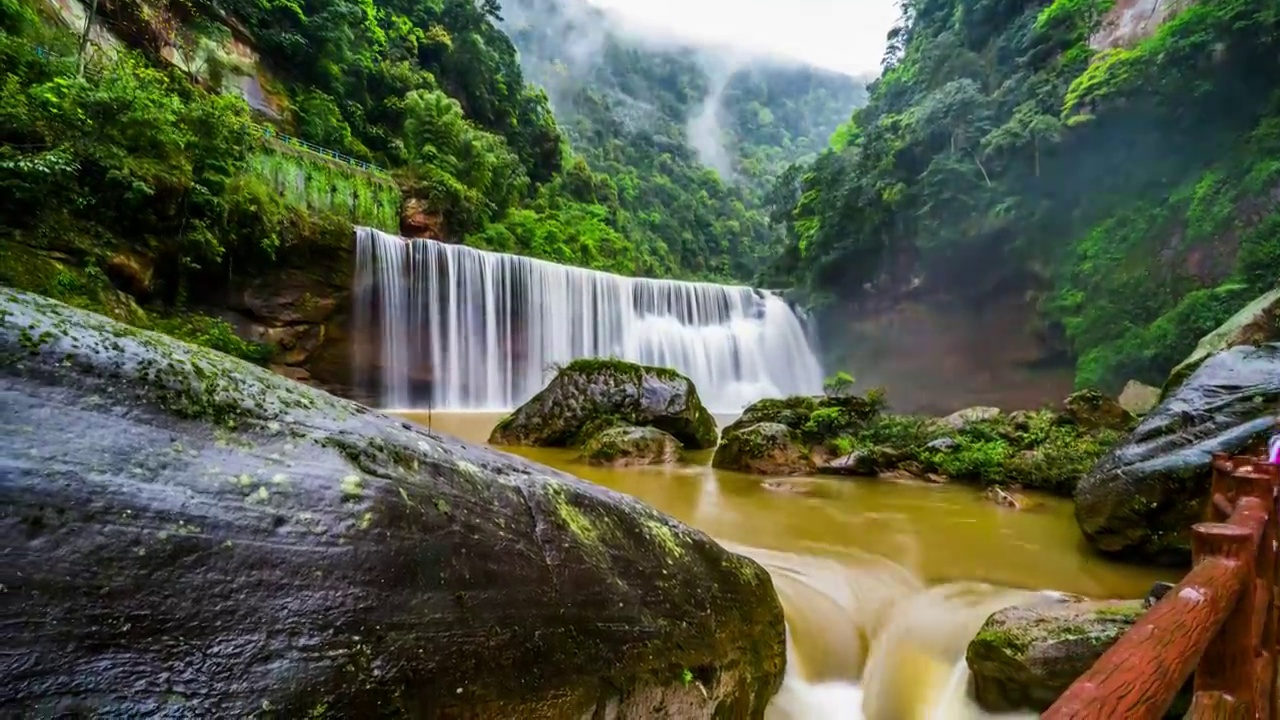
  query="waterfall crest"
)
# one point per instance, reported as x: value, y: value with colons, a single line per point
x: 460, y: 328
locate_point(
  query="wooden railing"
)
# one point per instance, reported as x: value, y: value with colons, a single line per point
x: 1219, y: 622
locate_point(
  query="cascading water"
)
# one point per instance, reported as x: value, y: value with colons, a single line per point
x: 460, y: 328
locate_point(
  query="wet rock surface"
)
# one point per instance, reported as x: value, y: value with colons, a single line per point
x: 793, y: 436
x: 589, y: 396
x: 188, y: 535
x: 1025, y: 657
x: 1142, y: 497
x: 763, y: 448
x: 1256, y: 323
x: 629, y: 445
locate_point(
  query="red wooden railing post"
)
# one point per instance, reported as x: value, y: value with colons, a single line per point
x: 1267, y: 489
x: 1224, y: 679
x: 1222, y: 620
x: 1256, y: 489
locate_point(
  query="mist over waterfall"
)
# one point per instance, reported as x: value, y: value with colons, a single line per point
x: 453, y: 327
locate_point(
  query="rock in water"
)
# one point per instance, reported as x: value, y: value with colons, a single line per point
x: 1024, y: 657
x: 629, y: 445
x: 187, y: 535
x: 791, y: 436
x: 591, y: 395
x: 763, y: 448
x: 1142, y: 497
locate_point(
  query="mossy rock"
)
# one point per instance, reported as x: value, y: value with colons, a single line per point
x: 591, y: 395
x: 1140, y: 500
x: 629, y: 445
x: 1025, y: 657
x: 320, y: 559
x: 1255, y: 324
x: 1034, y: 449
x: 1093, y: 410
x: 765, y: 448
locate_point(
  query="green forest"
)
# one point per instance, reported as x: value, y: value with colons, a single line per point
x: 1140, y: 184
x: 1135, y: 186
x: 626, y: 104
x: 432, y: 90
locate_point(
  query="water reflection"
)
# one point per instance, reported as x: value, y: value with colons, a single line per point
x: 883, y: 583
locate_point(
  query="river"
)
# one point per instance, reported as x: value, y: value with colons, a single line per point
x: 883, y: 583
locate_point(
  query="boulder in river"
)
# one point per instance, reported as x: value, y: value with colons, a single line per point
x: 791, y: 436
x: 188, y: 535
x: 591, y: 395
x: 1142, y: 497
x: 631, y: 445
x: 763, y: 448
x: 1025, y: 657
x: 1255, y: 324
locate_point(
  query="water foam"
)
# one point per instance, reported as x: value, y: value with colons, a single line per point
x: 460, y: 328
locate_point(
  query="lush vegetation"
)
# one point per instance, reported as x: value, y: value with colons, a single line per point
x: 123, y: 173
x: 140, y: 151
x: 311, y: 181
x: 1138, y: 183
x: 687, y: 142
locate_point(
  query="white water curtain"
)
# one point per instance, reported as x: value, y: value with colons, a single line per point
x: 460, y: 328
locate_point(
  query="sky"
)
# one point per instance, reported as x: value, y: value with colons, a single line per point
x: 843, y: 35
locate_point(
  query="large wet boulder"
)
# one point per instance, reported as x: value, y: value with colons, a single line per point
x: 188, y: 535
x: 1255, y: 324
x: 792, y: 436
x: 1142, y: 497
x: 591, y: 395
x: 765, y: 448
x: 629, y: 445
x: 1025, y: 657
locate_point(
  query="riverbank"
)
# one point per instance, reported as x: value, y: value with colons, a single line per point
x: 883, y: 583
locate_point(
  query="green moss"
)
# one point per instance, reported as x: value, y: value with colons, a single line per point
x: 1128, y: 612
x: 665, y: 537
x: 1002, y: 640
x: 351, y: 487
x: 1035, y: 450
x: 314, y: 183
x: 571, y: 516
x: 630, y: 370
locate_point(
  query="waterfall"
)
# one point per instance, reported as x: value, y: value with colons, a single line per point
x: 453, y: 327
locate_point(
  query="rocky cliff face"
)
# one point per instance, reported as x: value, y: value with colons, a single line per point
x: 938, y: 354
x: 1132, y: 20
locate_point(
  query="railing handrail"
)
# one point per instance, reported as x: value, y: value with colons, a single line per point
x: 1218, y: 623
x: 272, y: 133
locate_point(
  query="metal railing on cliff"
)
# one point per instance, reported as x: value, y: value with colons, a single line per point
x: 272, y: 134
x: 1219, y: 622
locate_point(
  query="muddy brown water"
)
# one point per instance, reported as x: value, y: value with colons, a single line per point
x: 883, y: 583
